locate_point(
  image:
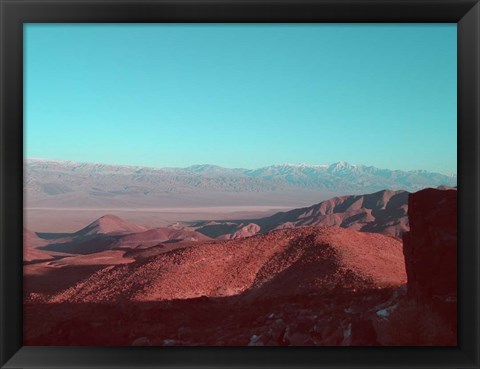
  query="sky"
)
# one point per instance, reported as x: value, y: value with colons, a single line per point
x: 242, y: 95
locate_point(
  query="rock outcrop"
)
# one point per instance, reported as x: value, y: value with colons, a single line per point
x: 430, y: 249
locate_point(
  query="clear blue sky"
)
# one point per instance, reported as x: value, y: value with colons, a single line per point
x: 242, y: 95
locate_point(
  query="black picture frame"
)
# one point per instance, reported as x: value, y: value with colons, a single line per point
x: 14, y: 13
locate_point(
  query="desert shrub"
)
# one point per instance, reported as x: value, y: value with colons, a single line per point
x: 413, y: 324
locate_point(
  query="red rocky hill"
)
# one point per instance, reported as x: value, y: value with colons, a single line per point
x: 382, y: 212
x: 279, y: 263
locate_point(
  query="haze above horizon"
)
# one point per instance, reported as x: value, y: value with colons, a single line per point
x: 242, y: 96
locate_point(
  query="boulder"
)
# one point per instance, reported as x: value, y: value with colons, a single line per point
x: 142, y: 341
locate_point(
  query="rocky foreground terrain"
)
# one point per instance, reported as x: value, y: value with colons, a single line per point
x: 116, y: 283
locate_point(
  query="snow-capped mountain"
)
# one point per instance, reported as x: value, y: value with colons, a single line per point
x: 67, y: 183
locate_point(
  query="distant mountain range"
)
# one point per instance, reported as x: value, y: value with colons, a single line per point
x: 50, y: 183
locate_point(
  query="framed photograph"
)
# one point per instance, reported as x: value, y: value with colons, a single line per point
x: 264, y: 184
